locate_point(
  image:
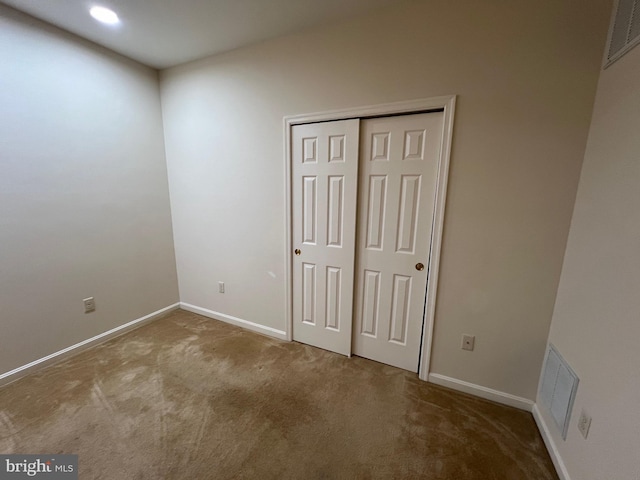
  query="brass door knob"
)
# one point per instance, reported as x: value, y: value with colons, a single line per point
x: 297, y: 251
x: 419, y: 267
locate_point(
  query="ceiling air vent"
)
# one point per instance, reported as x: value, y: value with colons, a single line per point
x: 624, y: 33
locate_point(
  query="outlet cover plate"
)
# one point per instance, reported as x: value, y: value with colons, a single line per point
x: 468, y: 342
x: 89, y: 304
x: 584, y: 422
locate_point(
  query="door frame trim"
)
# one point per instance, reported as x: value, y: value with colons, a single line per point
x: 447, y: 105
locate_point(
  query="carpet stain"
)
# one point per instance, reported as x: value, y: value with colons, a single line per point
x: 187, y: 397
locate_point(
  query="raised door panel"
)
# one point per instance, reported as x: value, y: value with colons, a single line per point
x: 309, y: 294
x: 309, y: 209
x: 407, y: 227
x: 335, y: 210
x: 334, y: 298
x: 375, y: 207
x: 370, y: 303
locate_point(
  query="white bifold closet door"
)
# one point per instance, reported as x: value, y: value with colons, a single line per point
x: 359, y: 277
x: 324, y: 194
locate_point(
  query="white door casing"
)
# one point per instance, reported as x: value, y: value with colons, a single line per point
x: 399, y: 159
x: 324, y: 193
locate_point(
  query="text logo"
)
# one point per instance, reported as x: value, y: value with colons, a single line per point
x: 49, y: 467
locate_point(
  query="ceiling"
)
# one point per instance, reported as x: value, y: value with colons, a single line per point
x: 164, y: 33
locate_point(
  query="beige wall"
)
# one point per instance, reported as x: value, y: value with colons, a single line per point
x: 525, y: 73
x: 84, y: 207
x: 596, y: 321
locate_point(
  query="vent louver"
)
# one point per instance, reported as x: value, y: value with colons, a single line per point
x: 624, y: 33
x: 558, y: 389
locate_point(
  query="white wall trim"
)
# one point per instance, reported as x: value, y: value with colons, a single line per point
x: 554, y: 453
x: 408, y: 106
x: 80, y: 347
x: 482, y: 392
x: 239, y: 322
x: 447, y: 104
x: 288, y: 277
x: 436, y: 240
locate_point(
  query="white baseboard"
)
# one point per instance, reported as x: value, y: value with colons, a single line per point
x: 554, y: 453
x: 68, y: 352
x: 239, y: 322
x: 482, y: 392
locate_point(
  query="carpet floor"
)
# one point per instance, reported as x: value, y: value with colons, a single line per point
x: 186, y: 397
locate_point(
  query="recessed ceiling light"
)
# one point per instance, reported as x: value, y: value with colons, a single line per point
x: 104, y: 15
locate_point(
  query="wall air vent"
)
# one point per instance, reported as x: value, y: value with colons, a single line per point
x: 624, y: 32
x: 558, y: 389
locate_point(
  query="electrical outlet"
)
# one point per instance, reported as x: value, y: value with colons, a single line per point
x: 584, y: 422
x: 468, y: 341
x: 89, y: 305
x: 221, y: 287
